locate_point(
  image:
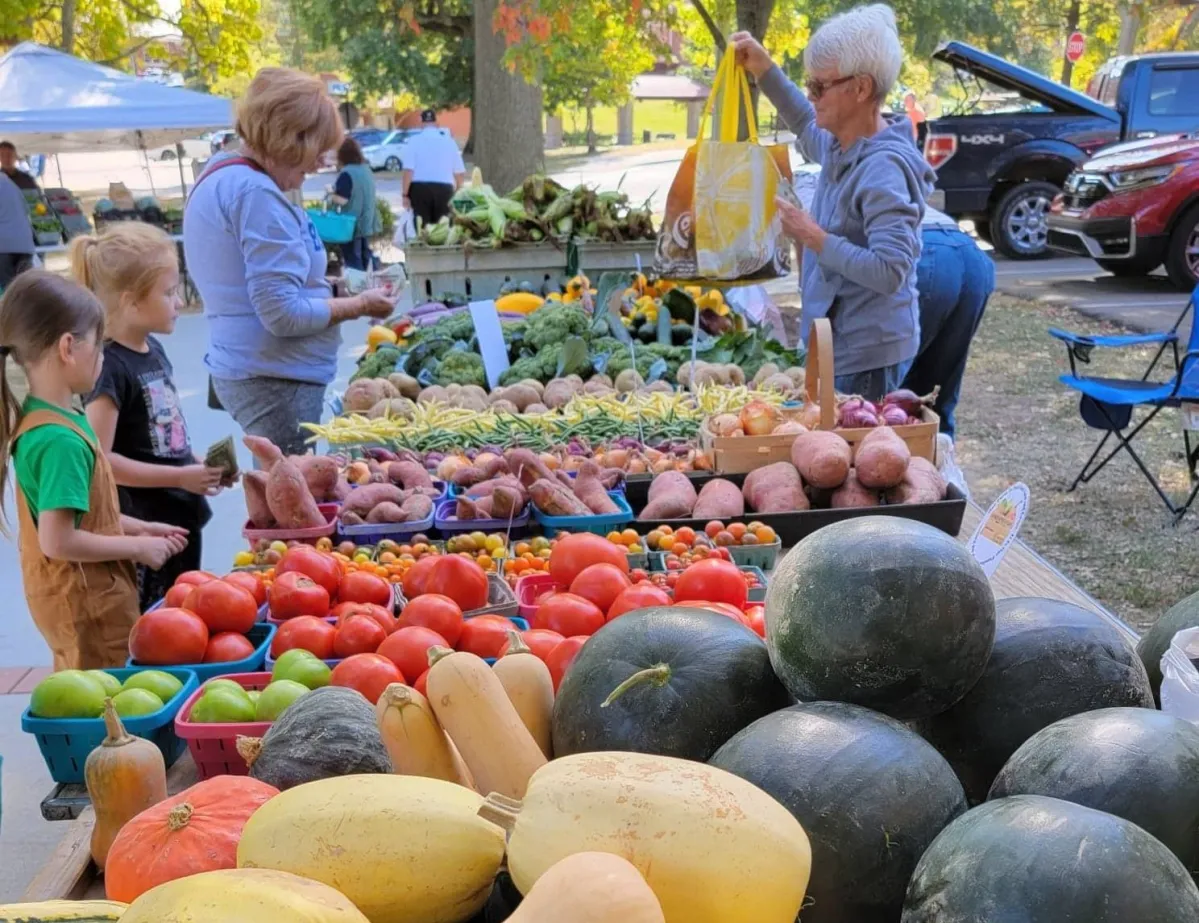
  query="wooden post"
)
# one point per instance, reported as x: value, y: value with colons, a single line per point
x: 624, y: 124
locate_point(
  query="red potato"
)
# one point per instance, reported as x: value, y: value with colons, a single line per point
x: 822, y: 458
x: 852, y: 494
x: 922, y: 483
x: 882, y: 459
x: 671, y: 496
x: 776, y: 488
x: 719, y: 499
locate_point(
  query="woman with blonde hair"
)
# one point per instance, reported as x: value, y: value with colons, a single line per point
x: 259, y: 264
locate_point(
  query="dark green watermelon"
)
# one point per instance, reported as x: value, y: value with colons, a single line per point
x: 870, y: 794
x: 881, y: 612
x: 700, y: 677
x: 1031, y: 859
x: 1051, y: 660
x: 1135, y: 763
x: 1156, y: 641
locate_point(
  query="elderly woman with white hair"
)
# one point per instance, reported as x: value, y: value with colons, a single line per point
x: 861, y: 240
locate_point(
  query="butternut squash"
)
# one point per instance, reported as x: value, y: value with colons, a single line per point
x: 62, y: 912
x: 590, y: 887
x: 471, y: 704
x: 712, y: 847
x: 414, y: 740
x: 530, y: 688
x: 404, y: 849
x: 243, y: 896
x: 124, y: 776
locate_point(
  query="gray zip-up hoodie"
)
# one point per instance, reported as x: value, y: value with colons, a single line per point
x: 870, y: 201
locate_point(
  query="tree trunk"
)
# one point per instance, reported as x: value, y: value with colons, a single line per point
x: 753, y: 16
x: 591, y: 146
x: 68, y: 26
x: 506, y: 115
x: 1073, y: 15
x: 1130, y: 25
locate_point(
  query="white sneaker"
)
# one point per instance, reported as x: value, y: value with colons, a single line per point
x: 947, y: 464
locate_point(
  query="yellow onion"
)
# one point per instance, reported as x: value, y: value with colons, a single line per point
x: 759, y: 418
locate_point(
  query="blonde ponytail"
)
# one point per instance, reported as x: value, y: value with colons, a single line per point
x: 126, y: 258
x: 82, y: 249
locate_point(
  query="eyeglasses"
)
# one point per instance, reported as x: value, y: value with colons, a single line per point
x: 817, y: 88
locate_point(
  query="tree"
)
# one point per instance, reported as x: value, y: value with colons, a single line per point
x: 508, y: 136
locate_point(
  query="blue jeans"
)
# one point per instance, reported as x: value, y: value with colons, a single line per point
x: 954, y: 279
x: 874, y: 384
x: 357, y: 254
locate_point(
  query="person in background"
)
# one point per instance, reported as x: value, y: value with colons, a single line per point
x: 77, y: 549
x: 134, y: 408
x: 16, y: 233
x: 354, y: 191
x: 8, y: 166
x: 861, y: 241
x: 915, y: 112
x: 954, y: 280
x: 433, y: 171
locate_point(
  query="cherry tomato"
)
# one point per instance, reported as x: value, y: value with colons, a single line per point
x: 600, y: 584
x: 562, y: 656
x: 417, y: 576
x: 572, y: 553
x: 462, y: 580
x: 307, y: 632
x: 358, y: 634
x: 227, y: 646
x: 166, y: 637
x: 369, y: 674
x: 250, y: 582
x: 432, y: 610
x: 294, y: 594
x: 321, y: 568
x: 718, y: 607
x: 539, y: 640
x: 361, y: 587
x: 383, y: 616
x: 638, y: 596
x: 755, y: 617
x: 223, y: 606
x: 569, y: 615
x: 409, y: 647
x: 484, y: 635
x: 712, y: 579
x: 177, y: 594
x: 194, y: 577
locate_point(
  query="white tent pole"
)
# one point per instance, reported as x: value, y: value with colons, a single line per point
x: 141, y: 146
x: 58, y: 166
x: 179, y: 160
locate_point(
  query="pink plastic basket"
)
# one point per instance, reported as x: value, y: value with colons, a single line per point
x: 528, y: 588
x: 328, y: 510
x: 214, y: 746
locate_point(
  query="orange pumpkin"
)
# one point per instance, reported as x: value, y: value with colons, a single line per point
x: 194, y: 831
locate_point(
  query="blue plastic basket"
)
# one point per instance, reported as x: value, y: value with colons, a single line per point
x: 372, y: 533
x: 66, y: 742
x: 260, y: 636
x: 597, y: 525
x: 448, y: 524
x: 331, y: 227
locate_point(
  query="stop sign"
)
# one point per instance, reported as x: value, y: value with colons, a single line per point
x: 1075, y: 45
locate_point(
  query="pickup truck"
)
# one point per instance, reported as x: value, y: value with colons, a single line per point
x: 1004, y: 153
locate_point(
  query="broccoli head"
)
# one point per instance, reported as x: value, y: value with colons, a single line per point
x: 554, y: 323
x: 522, y: 368
x: 462, y: 368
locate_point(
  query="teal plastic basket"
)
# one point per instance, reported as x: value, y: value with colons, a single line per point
x: 260, y: 636
x: 597, y: 525
x: 331, y: 227
x: 763, y: 556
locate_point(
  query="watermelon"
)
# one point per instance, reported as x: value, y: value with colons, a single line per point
x: 1032, y: 859
x: 1132, y: 762
x: 870, y: 794
x: 1051, y: 660
x: 1156, y: 641
x: 671, y: 681
x: 881, y: 612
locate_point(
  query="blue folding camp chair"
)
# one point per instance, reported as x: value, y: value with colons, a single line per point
x: 1108, y: 403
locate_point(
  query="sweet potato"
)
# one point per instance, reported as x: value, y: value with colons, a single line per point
x: 525, y: 464
x: 320, y: 474
x: 922, y: 483
x: 719, y: 499
x: 775, y: 489
x: 467, y: 476
x: 671, y: 496
x: 852, y: 494
x: 289, y: 498
x: 590, y: 490
x: 508, y: 481
x: 882, y: 459
x: 554, y: 499
x: 254, y: 483
x: 822, y: 458
x: 351, y: 519
x: 265, y: 452
x: 467, y: 508
x: 364, y: 499
x: 386, y: 512
x: 409, y: 474
x: 507, y: 502
x: 417, y: 507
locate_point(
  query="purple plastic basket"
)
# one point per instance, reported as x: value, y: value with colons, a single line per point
x: 445, y: 522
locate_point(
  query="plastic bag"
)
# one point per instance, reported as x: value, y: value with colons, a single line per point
x: 1180, y: 678
x: 405, y: 228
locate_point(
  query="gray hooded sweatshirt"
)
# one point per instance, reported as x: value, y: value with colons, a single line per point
x: 870, y: 201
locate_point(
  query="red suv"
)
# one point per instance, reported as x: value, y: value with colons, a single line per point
x: 1134, y: 207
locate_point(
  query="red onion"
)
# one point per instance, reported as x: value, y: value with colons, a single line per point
x: 911, y: 402
x: 894, y: 415
x: 914, y: 420
x: 862, y: 416
x: 849, y: 404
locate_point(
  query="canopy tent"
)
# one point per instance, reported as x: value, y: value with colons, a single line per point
x: 53, y: 103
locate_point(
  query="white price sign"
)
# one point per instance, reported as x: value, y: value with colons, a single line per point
x: 999, y: 526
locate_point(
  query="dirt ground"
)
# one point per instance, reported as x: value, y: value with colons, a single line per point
x: 1016, y: 422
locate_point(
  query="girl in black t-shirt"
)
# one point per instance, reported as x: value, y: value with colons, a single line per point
x: 134, y: 269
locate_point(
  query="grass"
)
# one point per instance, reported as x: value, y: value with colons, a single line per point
x: 1016, y: 422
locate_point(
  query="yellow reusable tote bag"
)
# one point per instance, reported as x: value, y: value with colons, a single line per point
x: 721, y: 224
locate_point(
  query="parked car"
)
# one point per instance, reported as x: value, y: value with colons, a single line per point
x: 193, y: 149
x: 1134, y: 207
x: 368, y: 136
x: 217, y: 139
x: 1002, y: 156
x: 388, y: 152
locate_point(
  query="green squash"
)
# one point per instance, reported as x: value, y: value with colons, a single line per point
x: 1156, y: 641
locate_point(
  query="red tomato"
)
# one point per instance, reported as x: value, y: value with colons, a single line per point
x: 638, y: 596
x: 409, y: 647
x: 463, y: 581
x: 539, y: 640
x: 194, y: 577
x: 434, y: 611
x: 294, y: 594
x: 719, y: 581
x: 249, y: 582
x: 357, y: 634
x: 226, y: 646
x: 166, y: 637
x: 417, y: 575
x: 223, y: 606
x: 361, y: 587
x: 600, y: 584
x: 568, y: 615
x: 756, y: 619
x: 380, y: 614
x: 541, y: 598
x: 321, y: 568
x: 573, y: 553
x: 718, y: 607
x: 562, y: 656
x: 306, y: 632
x: 368, y: 674
x: 484, y: 635
x: 177, y: 594
x: 422, y: 684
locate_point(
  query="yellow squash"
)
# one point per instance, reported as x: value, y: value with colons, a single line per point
x: 713, y: 847
x: 404, y: 849
x: 530, y: 688
x: 519, y: 303
x: 414, y: 740
x: 62, y: 912
x: 243, y: 896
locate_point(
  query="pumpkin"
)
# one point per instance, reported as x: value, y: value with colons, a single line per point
x: 243, y: 896
x: 530, y: 688
x: 414, y: 740
x: 471, y: 704
x: 870, y: 794
x: 1051, y: 660
x: 1041, y: 860
x: 590, y: 887
x: 712, y: 847
x: 404, y: 849
x: 673, y: 681
x: 882, y: 612
x: 1156, y: 641
x: 62, y: 912
x: 331, y: 731
x: 1132, y: 762
x: 194, y: 831
x: 124, y: 776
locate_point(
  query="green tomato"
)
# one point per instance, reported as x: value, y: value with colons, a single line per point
x: 221, y: 683
x: 276, y: 697
x: 111, y: 684
x: 132, y: 703
x: 307, y: 671
x: 222, y: 706
x: 68, y: 694
x: 163, y: 685
x: 287, y: 659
